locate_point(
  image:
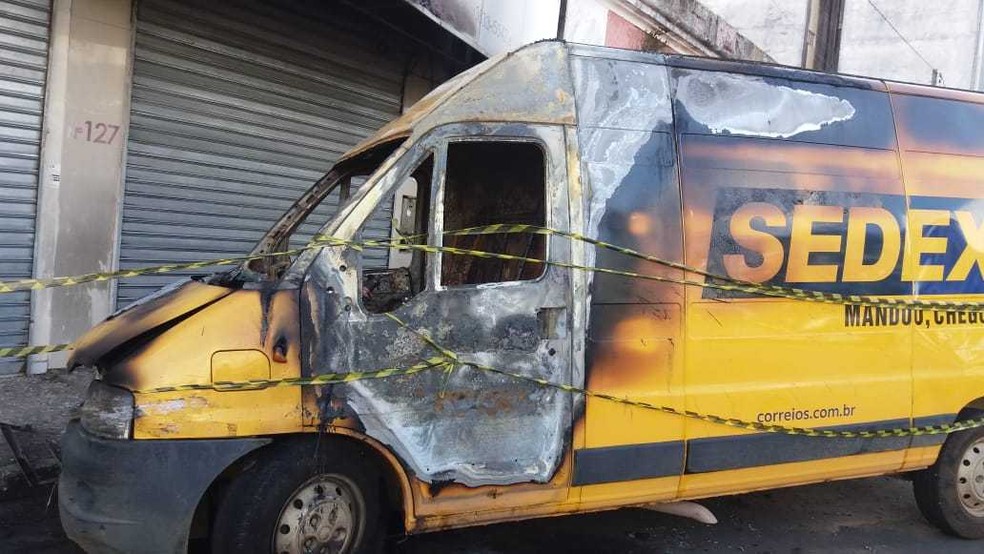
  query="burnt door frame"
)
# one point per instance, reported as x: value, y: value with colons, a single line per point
x: 468, y: 425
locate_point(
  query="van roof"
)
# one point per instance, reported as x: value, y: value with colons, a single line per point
x: 484, y: 92
x: 767, y: 69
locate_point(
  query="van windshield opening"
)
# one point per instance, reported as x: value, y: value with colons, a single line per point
x: 316, y: 208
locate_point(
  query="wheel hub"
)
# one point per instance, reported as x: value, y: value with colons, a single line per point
x: 323, y: 516
x: 970, y: 479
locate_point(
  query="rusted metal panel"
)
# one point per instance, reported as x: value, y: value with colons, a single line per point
x: 530, y: 85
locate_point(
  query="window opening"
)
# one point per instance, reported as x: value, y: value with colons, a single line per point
x: 488, y: 183
x: 316, y: 207
x: 392, y: 276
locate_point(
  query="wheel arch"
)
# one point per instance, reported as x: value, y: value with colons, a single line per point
x: 397, y: 480
x: 974, y: 408
x: 397, y: 489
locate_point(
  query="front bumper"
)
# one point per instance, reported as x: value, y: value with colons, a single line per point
x: 137, y: 495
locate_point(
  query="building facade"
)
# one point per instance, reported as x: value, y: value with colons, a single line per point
x: 143, y: 132
x: 900, y: 40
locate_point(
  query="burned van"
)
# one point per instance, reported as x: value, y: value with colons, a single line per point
x: 614, y: 278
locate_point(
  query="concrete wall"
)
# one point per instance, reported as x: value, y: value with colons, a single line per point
x: 691, y: 27
x: 587, y: 21
x: 945, y: 32
x: 948, y: 33
x: 85, y: 121
x: 681, y: 26
x: 776, y: 27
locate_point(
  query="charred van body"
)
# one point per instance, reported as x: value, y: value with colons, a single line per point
x: 753, y: 173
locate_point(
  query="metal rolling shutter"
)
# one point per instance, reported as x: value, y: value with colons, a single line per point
x: 237, y: 108
x: 23, y: 64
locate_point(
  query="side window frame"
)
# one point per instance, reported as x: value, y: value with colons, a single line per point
x: 437, y: 204
x: 344, y: 260
x: 435, y: 141
x: 428, y: 149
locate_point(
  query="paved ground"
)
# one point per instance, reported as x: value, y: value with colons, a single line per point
x: 30, y: 524
x: 44, y: 403
x: 866, y: 516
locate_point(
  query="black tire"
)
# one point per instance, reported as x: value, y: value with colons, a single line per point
x: 939, y: 489
x: 248, y: 517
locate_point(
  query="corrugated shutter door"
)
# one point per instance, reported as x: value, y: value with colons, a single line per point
x: 237, y: 108
x: 23, y: 64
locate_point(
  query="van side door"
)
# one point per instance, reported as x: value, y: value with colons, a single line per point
x: 794, y: 183
x: 942, y: 151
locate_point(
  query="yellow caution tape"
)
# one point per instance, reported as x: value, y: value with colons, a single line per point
x: 718, y: 282
x: 38, y: 284
x: 51, y: 282
x: 449, y: 360
x: 728, y: 283
x: 25, y: 351
x: 322, y: 379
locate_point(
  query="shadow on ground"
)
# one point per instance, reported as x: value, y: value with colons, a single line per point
x: 869, y: 515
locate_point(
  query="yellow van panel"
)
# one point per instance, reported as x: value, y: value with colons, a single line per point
x: 242, y: 334
x: 759, y: 361
x: 210, y: 413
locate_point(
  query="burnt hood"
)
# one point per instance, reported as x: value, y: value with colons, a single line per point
x: 133, y: 322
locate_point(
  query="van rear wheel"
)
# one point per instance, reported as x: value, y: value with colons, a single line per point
x: 950, y: 493
x: 292, y: 499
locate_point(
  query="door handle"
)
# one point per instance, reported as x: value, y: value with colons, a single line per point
x: 553, y: 322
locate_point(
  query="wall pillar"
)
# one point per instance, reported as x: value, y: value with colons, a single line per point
x: 977, y: 76
x: 81, y: 178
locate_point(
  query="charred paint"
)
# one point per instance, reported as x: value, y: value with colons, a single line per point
x: 466, y: 426
x: 132, y: 328
x: 773, y: 107
x: 146, y: 346
x: 768, y: 110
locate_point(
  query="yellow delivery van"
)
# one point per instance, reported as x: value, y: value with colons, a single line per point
x: 701, y: 278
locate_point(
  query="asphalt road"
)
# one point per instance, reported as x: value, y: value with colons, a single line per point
x: 869, y: 515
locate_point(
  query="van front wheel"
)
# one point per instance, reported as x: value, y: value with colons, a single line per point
x: 950, y: 493
x: 291, y: 499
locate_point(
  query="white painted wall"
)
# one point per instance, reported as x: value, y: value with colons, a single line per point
x: 587, y: 21
x: 943, y: 31
x: 494, y: 26
x: 775, y: 26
